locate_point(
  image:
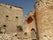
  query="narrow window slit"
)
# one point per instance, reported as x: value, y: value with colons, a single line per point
x: 4, y: 25
x: 7, y: 16
x: 16, y: 17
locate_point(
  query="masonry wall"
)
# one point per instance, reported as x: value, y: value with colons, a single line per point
x: 30, y: 26
x: 44, y: 16
x: 10, y: 18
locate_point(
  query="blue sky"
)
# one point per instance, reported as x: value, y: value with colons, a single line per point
x: 27, y: 5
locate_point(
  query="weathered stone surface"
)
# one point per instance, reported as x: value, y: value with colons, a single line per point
x: 10, y: 17
x: 12, y: 36
x: 44, y: 14
x: 30, y: 26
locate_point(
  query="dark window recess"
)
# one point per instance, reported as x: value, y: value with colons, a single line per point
x: 10, y: 6
x: 0, y: 31
x: 7, y: 16
x: 32, y: 29
x: 16, y: 35
x: 16, y: 17
x: 33, y: 39
x: 4, y: 25
x: 25, y: 33
x: 45, y: 36
x: 19, y: 28
x: 29, y: 20
x: 38, y: 3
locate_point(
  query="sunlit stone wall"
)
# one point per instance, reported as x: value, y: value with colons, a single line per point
x: 30, y: 26
x: 10, y: 18
x: 44, y: 16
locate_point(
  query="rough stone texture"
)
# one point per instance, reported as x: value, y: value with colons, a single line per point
x: 30, y: 26
x: 44, y: 16
x: 10, y: 18
x: 10, y: 22
x: 12, y: 36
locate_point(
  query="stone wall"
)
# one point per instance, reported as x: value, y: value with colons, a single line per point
x: 10, y: 18
x: 30, y: 26
x: 44, y: 16
x: 12, y: 36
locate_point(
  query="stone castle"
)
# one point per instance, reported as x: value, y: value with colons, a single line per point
x: 38, y: 24
x: 11, y: 23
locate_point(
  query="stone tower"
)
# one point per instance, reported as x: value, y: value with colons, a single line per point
x: 44, y: 17
x: 10, y: 18
x: 30, y: 27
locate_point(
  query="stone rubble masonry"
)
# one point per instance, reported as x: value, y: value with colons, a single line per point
x: 10, y: 17
x: 12, y: 36
x: 30, y: 26
x: 44, y: 16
